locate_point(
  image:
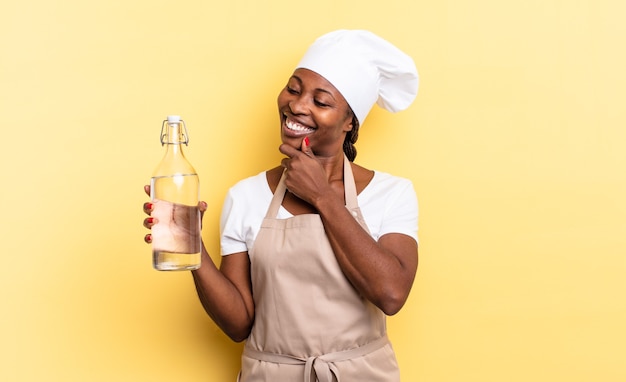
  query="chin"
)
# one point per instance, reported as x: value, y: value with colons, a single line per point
x: 293, y: 142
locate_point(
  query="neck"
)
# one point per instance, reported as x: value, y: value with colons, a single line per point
x: 333, y: 166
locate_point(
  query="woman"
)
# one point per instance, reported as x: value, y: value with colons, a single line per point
x: 317, y: 251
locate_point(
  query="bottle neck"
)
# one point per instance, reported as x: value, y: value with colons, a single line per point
x: 173, y: 138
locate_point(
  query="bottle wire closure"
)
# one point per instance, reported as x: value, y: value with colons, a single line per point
x: 185, y: 134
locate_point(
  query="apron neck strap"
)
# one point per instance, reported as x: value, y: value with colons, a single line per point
x: 277, y: 199
x: 348, y: 185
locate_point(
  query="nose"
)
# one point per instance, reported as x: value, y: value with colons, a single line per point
x: 298, y: 105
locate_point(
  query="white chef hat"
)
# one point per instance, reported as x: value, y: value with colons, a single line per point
x: 365, y: 68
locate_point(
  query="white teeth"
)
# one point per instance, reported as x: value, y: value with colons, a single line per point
x: 297, y: 127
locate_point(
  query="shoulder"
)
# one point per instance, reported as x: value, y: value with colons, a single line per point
x: 251, y: 183
x: 362, y: 177
x: 389, y: 205
x: 388, y: 180
x: 390, y: 187
x: 246, y: 198
x: 377, y: 179
x: 248, y: 191
x: 272, y: 177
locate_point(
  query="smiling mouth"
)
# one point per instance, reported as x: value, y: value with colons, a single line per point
x: 296, y: 127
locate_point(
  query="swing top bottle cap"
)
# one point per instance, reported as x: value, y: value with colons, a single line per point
x: 173, y: 119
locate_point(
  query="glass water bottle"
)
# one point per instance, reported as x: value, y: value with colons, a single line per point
x: 174, y: 190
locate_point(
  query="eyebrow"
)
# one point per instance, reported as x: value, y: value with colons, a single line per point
x: 317, y: 89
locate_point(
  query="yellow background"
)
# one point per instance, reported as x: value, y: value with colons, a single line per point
x: 515, y: 145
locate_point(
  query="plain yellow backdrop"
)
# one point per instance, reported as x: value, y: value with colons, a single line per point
x: 515, y: 145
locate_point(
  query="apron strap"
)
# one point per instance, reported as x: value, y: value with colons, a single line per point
x: 321, y: 368
x: 277, y: 199
x: 348, y: 185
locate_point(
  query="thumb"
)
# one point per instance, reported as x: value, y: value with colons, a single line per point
x: 202, y: 207
x: 306, y: 146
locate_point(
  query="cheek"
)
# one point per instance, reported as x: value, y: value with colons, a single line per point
x: 282, y: 98
x: 336, y: 123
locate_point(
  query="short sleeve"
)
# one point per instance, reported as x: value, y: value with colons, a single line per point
x: 231, y: 227
x: 401, y: 211
x: 242, y: 214
x: 389, y: 205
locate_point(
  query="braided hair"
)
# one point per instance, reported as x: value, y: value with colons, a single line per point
x: 351, y: 138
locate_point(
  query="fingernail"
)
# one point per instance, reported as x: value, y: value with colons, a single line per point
x: 150, y: 220
x: 147, y: 205
x: 306, y: 141
x: 148, y: 238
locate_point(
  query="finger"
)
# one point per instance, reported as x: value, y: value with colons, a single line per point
x: 146, y: 188
x: 147, y: 207
x: 149, y: 222
x: 288, y: 150
x: 202, y: 206
x: 148, y: 238
x: 305, y: 147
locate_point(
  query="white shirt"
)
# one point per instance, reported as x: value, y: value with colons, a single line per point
x: 388, y: 204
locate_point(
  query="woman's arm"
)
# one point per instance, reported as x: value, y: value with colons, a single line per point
x: 382, y: 271
x: 225, y: 293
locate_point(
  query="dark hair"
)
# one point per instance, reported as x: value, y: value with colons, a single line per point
x: 351, y: 137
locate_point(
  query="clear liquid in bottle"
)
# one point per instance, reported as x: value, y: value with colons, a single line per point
x: 174, y: 190
x: 176, y: 236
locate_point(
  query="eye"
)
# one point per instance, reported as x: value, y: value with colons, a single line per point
x: 320, y: 103
x: 291, y: 90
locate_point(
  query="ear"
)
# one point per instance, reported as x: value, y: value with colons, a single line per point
x: 349, y: 125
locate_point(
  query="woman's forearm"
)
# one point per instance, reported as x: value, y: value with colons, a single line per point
x: 382, y: 271
x: 224, y: 299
